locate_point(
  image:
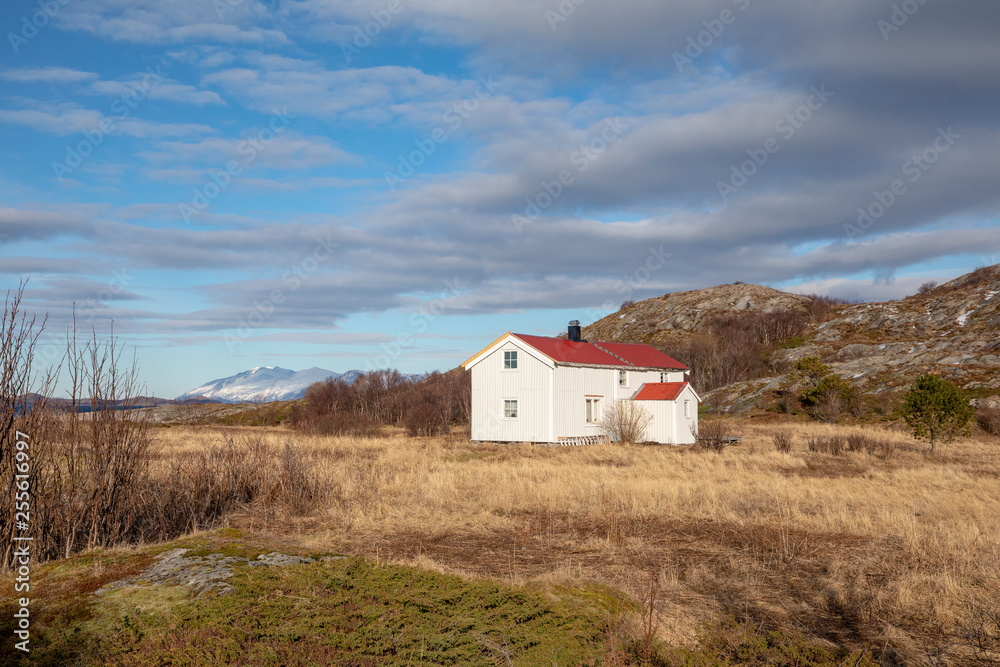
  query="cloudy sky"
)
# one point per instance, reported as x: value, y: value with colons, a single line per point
x: 386, y: 183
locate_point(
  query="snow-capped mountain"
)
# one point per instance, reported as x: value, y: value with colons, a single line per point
x: 265, y: 383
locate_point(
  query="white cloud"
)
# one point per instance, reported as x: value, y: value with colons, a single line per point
x: 285, y: 151
x: 156, y: 22
x: 47, y: 75
x: 308, y: 88
x: 167, y: 90
x: 69, y: 118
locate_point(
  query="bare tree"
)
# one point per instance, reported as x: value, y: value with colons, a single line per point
x: 713, y: 435
x: 113, y: 440
x: 22, y: 406
x: 86, y: 458
x: 626, y: 421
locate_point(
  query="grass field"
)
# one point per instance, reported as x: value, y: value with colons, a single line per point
x: 894, y: 551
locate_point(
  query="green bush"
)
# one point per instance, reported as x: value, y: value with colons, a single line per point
x: 936, y: 410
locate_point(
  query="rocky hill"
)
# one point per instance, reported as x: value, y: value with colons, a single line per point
x: 952, y: 330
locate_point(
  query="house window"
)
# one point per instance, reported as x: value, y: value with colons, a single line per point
x: 687, y: 408
x: 510, y: 360
x: 622, y: 378
x: 510, y: 408
x: 593, y: 410
x: 664, y: 377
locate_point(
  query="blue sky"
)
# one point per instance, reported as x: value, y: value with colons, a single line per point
x: 357, y: 184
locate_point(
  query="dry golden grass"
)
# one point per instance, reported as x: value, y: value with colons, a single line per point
x: 894, y: 552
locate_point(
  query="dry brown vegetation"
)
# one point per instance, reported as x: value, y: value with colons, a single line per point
x: 850, y: 535
x: 988, y: 419
x: 737, y: 346
x: 867, y: 541
x: 425, y: 407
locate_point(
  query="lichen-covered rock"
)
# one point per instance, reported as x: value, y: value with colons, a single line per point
x: 205, y: 575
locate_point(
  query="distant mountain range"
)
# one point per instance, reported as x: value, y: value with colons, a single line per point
x: 264, y: 384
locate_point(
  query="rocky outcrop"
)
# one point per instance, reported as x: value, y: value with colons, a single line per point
x: 667, y: 317
x: 204, y: 575
x: 952, y: 330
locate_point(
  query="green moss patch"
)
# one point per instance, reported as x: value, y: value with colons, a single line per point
x: 342, y: 612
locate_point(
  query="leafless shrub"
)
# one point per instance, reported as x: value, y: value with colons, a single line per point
x: 885, y: 447
x: 988, y: 419
x: 979, y: 275
x: 713, y: 435
x: 381, y: 395
x: 926, y: 287
x: 106, y: 451
x: 437, y: 402
x: 200, y: 488
x: 361, y: 408
x: 650, y: 619
x: 501, y: 650
x: 89, y: 463
x: 738, y: 346
x: 980, y: 631
x: 239, y: 470
x: 821, y: 307
x: 827, y: 407
x: 332, y: 407
x: 857, y: 442
x: 788, y: 401
x: 782, y: 441
x: 23, y: 398
x: 300, y: 488
x: 872, y: 445
x: 626, y: 303
x: 883, y: 403
x: 429, y: 412
x: 833, y: 445
x: 626, y: 421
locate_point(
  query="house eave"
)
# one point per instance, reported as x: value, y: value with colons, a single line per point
x: 621, y: 368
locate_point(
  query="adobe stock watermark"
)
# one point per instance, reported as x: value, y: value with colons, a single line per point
x: 899, y: 17
x: 363, y: 35
x: 32, y: 23
x: 633, y: 281
x: 562, y: 12
x: 220, y: 179
x: 913, y: 169
x: 699, y: 43
x: 21, y: 562
x: 292, y: 279
x: 53, y: 348
x: 223, y: 7
x: 419, y: 323
x: 581, y: 159
x: 452, y: 120
x: 786, y: 126
x: 122, y: 106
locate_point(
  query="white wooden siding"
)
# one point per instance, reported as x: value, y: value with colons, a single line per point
x: 551, y: 399
x: 529, y: 384
x: 638, y: 378
x: 668, y: 424
x: 572, y: 386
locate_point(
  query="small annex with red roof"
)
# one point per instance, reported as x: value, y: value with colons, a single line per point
x: 528, y: 388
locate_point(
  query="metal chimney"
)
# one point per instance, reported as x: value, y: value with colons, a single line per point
x: 573, y: 332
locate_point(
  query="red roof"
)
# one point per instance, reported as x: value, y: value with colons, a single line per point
x: 622, y: 355
x: 569, y: 351
x: 660, y: 391
x: 642, y: 355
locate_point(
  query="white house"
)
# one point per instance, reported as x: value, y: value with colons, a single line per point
x: 537, y: 389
